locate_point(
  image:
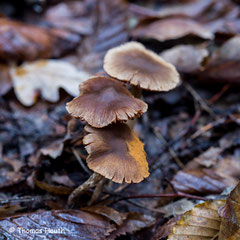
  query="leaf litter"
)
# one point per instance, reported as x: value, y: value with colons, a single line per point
x: 191, y: 134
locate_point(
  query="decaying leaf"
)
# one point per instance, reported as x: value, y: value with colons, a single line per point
x: 224, y: 63
x: 46, y: 76
x: 200, y: 223
x: 163, y: 231
x: 230, y: 214
x: 20, y: 41
x: 169, y: 29
x: 71, y: 15
x: 217, y: 219
x: 198, y: 182
x: 133, y: 223
x: 186, y: 58
x: 58, y: 224
x: 5, y: 80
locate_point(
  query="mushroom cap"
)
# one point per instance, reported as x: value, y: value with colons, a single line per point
x: 133, y: 63
x: 103, y: 101
x: 116, y: 153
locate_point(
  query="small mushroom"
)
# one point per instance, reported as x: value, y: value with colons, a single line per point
x: 103, y: 101
x: 116, y: 153
x: 133, y: 63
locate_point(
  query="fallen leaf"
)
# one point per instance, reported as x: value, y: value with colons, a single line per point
x: 177, y: 207
x: 16, y: 37
x: 169, y: 29
x: 187, y: 8
x: 50, y: 187
x: 224, y: 64
x: 46, y: 76
x: 107, y: 212
x: 71, y: 15
x: 163, y: 231
x: 56, y: 224
x: 200, y: 223
x: 53, y: 150
x: 133, y: 223
x: 230, y: 214
x: 186, y: 58
x: 199, y: 181
x: 110, y: 31
x: 209, y: 157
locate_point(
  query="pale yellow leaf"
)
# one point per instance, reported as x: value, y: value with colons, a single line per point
x: 46, y: 77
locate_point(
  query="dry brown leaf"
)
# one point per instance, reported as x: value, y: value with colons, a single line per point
x: 46, y: 76
x: 186, y: 58
x: 200, y: 223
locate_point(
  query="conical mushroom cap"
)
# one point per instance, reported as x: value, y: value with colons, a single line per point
x: 116, y: 153
x: 103, y: 101
x: 133, y: 63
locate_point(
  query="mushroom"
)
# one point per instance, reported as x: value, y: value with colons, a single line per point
x: 133, y: 63
x: 116, y: 153
x: 103, y: 101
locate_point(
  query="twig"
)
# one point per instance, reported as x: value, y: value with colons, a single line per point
x: 163, y: 195
x: 145, y: 207
x: 171, y: 151
x: 199, y: 99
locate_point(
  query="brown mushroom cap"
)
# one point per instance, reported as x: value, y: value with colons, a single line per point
x: 103, y: 101
x: 133, y: 63
x: 116, y: 153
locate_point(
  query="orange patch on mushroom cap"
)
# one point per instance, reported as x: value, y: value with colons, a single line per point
x: 133, y: 63
x: 116, y: 153
x: 103, y: 101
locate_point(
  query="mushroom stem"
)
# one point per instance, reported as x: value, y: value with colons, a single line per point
x: 91, y: 182
x: 136, y: 91
x: 97, y: 192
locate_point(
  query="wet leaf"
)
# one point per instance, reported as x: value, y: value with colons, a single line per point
x: 224, y: 63
x: 60, y: 224
x: 46, y: 76
x: 16, y: 37
x: 163, y: 231
x: 72, y: 15
x: 198, y: 182
x: 133, y: 223
x: 107, y: 212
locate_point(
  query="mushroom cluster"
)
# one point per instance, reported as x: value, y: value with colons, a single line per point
x: 105, y: 104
